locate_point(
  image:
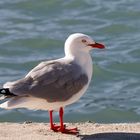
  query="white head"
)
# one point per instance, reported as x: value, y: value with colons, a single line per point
x: 79, y: 42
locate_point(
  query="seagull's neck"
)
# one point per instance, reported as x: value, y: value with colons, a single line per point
x: 83, y: 59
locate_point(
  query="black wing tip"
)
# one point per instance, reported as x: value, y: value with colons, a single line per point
x: 6, y: 92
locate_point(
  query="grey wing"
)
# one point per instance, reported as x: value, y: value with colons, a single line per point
x: 53, y: 82
x: 22, y: 87
x: 38, y: 69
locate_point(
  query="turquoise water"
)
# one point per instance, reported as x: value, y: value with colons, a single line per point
x: 34, y: 30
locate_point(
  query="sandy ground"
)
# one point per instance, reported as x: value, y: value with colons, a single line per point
x: 88, y: 131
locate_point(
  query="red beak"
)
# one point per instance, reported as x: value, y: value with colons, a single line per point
x: 97, y: 45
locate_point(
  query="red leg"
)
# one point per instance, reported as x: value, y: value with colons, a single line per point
x: 52, y: 125
x: 61, y: 112
x: 51, y: 119
x: 63, y: 128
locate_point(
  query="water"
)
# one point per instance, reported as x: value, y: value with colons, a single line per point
x: 34, y: 30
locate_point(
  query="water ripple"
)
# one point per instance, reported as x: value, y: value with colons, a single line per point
x: 32, y: 31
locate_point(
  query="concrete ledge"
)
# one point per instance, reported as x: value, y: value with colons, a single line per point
x: 88, y: 131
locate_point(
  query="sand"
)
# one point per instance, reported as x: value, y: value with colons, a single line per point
x: 88, y: 131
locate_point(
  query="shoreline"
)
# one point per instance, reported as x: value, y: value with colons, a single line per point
x: 88, y: 131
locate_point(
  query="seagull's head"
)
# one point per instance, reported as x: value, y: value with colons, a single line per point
x: 79, y: 42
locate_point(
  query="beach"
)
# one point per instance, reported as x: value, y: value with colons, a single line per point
x: 87, y: 131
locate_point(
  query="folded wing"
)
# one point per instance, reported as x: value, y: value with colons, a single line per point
x: 51, y: 80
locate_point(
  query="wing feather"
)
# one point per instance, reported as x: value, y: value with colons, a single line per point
x: 53, y: 81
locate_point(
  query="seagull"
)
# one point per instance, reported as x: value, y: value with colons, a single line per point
x: 54, y: 84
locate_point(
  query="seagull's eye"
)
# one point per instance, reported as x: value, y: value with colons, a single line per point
x: 84, y: 41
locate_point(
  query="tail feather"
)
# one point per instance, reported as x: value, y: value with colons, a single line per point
x: 6, y: 93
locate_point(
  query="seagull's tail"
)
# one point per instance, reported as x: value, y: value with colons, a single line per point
x: 6, y: 93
